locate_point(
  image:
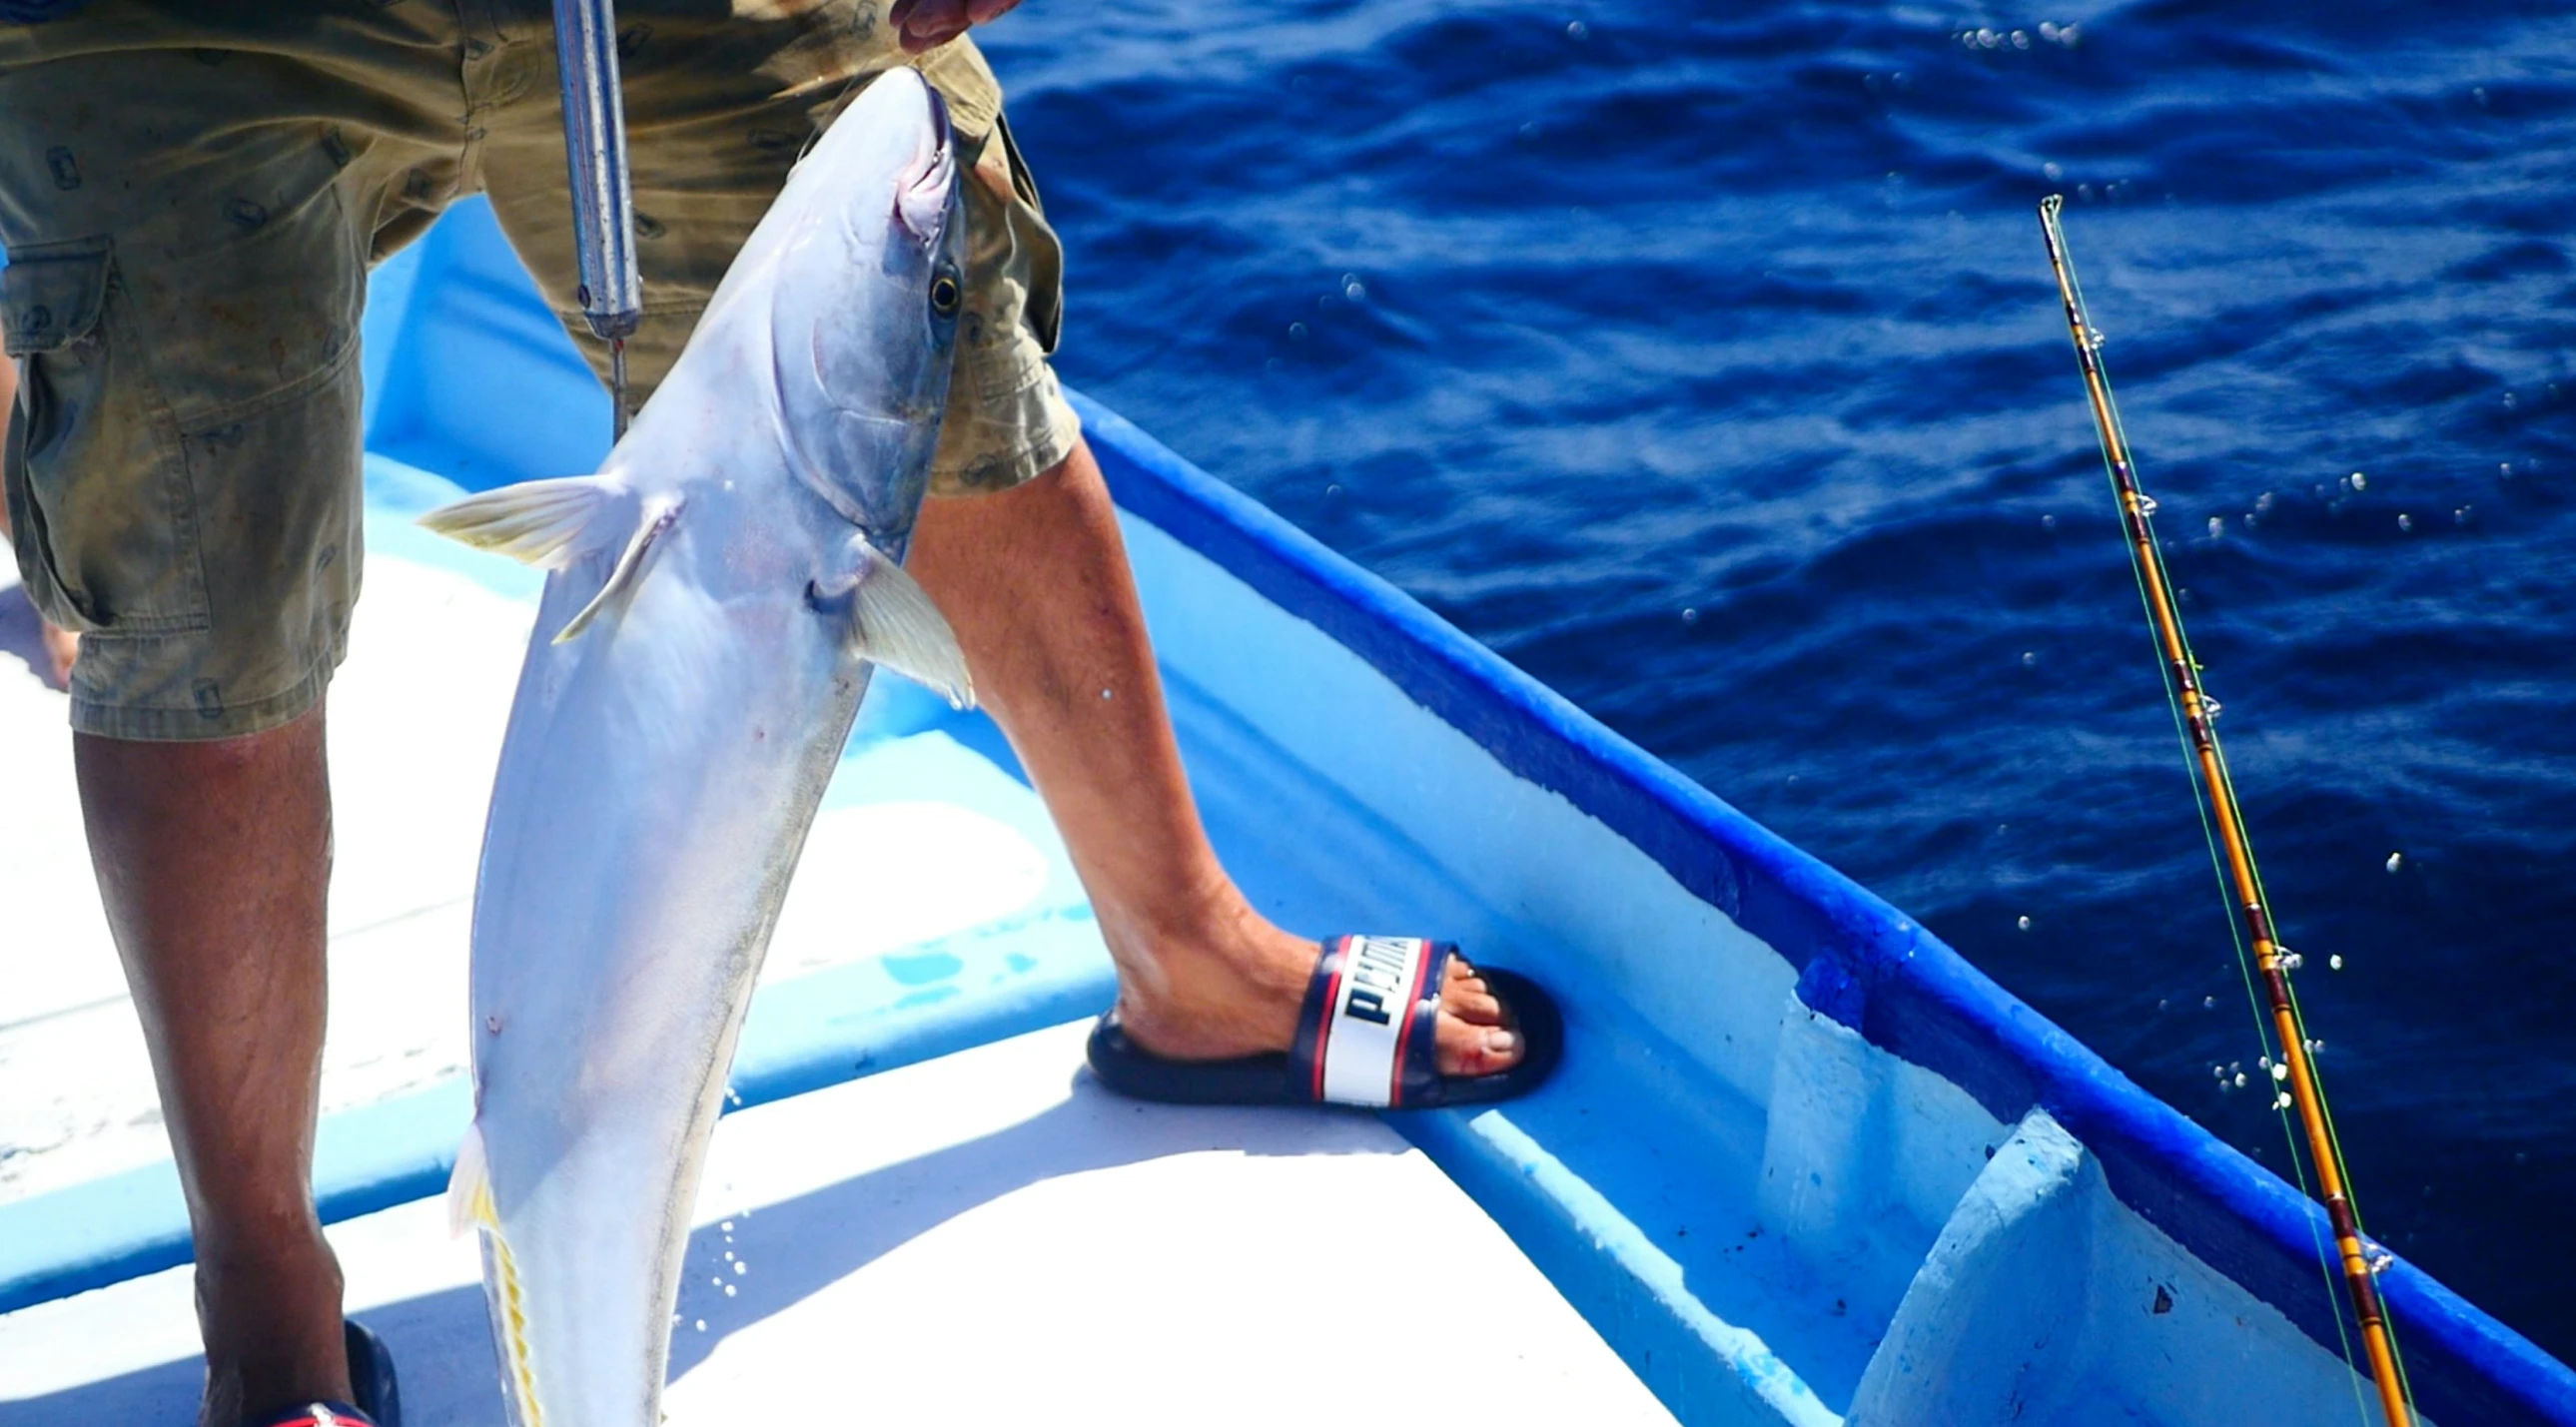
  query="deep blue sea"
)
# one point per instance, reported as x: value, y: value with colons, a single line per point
x: 1703, y: 360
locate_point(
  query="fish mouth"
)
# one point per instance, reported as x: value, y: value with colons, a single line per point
x: 921, y: 196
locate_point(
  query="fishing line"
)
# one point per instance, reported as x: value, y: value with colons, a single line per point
x: 2202, y: 800
x: 2285, y: 1038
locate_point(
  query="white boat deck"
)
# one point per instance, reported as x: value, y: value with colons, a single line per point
x: 987, y: 1237
x: 984, y: 1237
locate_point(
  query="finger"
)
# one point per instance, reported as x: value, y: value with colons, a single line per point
x: 927, y: 24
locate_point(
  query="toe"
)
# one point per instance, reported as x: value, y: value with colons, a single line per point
x: 1467, y: 997
x: 1467, y: 1049
x: 1476, y: 1031
x: 1477, y: 1007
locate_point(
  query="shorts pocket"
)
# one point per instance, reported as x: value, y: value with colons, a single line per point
x: 104, y: 528
x: 249, y: 291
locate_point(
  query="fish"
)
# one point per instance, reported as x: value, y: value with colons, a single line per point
x: 719, y: 593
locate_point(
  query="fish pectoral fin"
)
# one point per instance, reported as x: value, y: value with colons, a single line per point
x: 535, y: 522
x: 469, y: 1188
x: 655, y: 517
x: 893, y: 624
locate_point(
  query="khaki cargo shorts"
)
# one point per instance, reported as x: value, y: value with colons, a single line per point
x: 190, y: 202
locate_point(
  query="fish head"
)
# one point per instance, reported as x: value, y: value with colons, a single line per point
x: 869, y: 295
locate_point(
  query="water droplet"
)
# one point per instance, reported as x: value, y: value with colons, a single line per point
x: 2505, y: 469
x: 1578, y: 31
x: 2334, y: 963
x: 2508, y: 401
x: 2209, y: 1003
x: 1297, y: 331
x: 726, y: 1226
x: 2240, y: 1080
x: 2028, y: 659
x: 2217, y: 526
x: 2280, y: 1072
x: 702, y: 1325
x: 2024, y: 923
x: 740, y: 1268
x: 2360, y: 482
x: 1353, y: 290
x: 729, y: 1290
x: 1690, y: 616
x: 2396, y: 860
x: 2281, y: 1101
x: 2460, y: 516
x: 2405, y: 521
x: 2021, y: 39
x: 2052, y: 172
x: 2263, y: 502
x: 2048, y: 522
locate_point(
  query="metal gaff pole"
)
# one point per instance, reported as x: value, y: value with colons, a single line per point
x: 603, y: 198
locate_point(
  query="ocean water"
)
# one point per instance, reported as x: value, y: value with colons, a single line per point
x: 1704, y: 361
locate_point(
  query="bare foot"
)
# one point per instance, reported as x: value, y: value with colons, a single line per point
x: 1239, y: 994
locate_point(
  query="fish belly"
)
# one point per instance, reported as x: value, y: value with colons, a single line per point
x: 656, y: 786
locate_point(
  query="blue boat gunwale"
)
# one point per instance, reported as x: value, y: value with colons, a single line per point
x: 1862, y: 962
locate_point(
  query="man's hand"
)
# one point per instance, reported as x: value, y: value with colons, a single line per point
x: 927, y: 24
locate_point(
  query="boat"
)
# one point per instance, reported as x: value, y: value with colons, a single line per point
x: 1801, y: 1164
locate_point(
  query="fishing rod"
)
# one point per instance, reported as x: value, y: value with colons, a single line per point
x: 2199, y: 712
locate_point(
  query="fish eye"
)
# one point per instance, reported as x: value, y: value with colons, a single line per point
x: 943, y: 295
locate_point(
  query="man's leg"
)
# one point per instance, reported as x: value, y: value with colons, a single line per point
x: 183, y: 471
x: 1036, y: 583
x: 213, y: 859
x: 1019, y: 543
